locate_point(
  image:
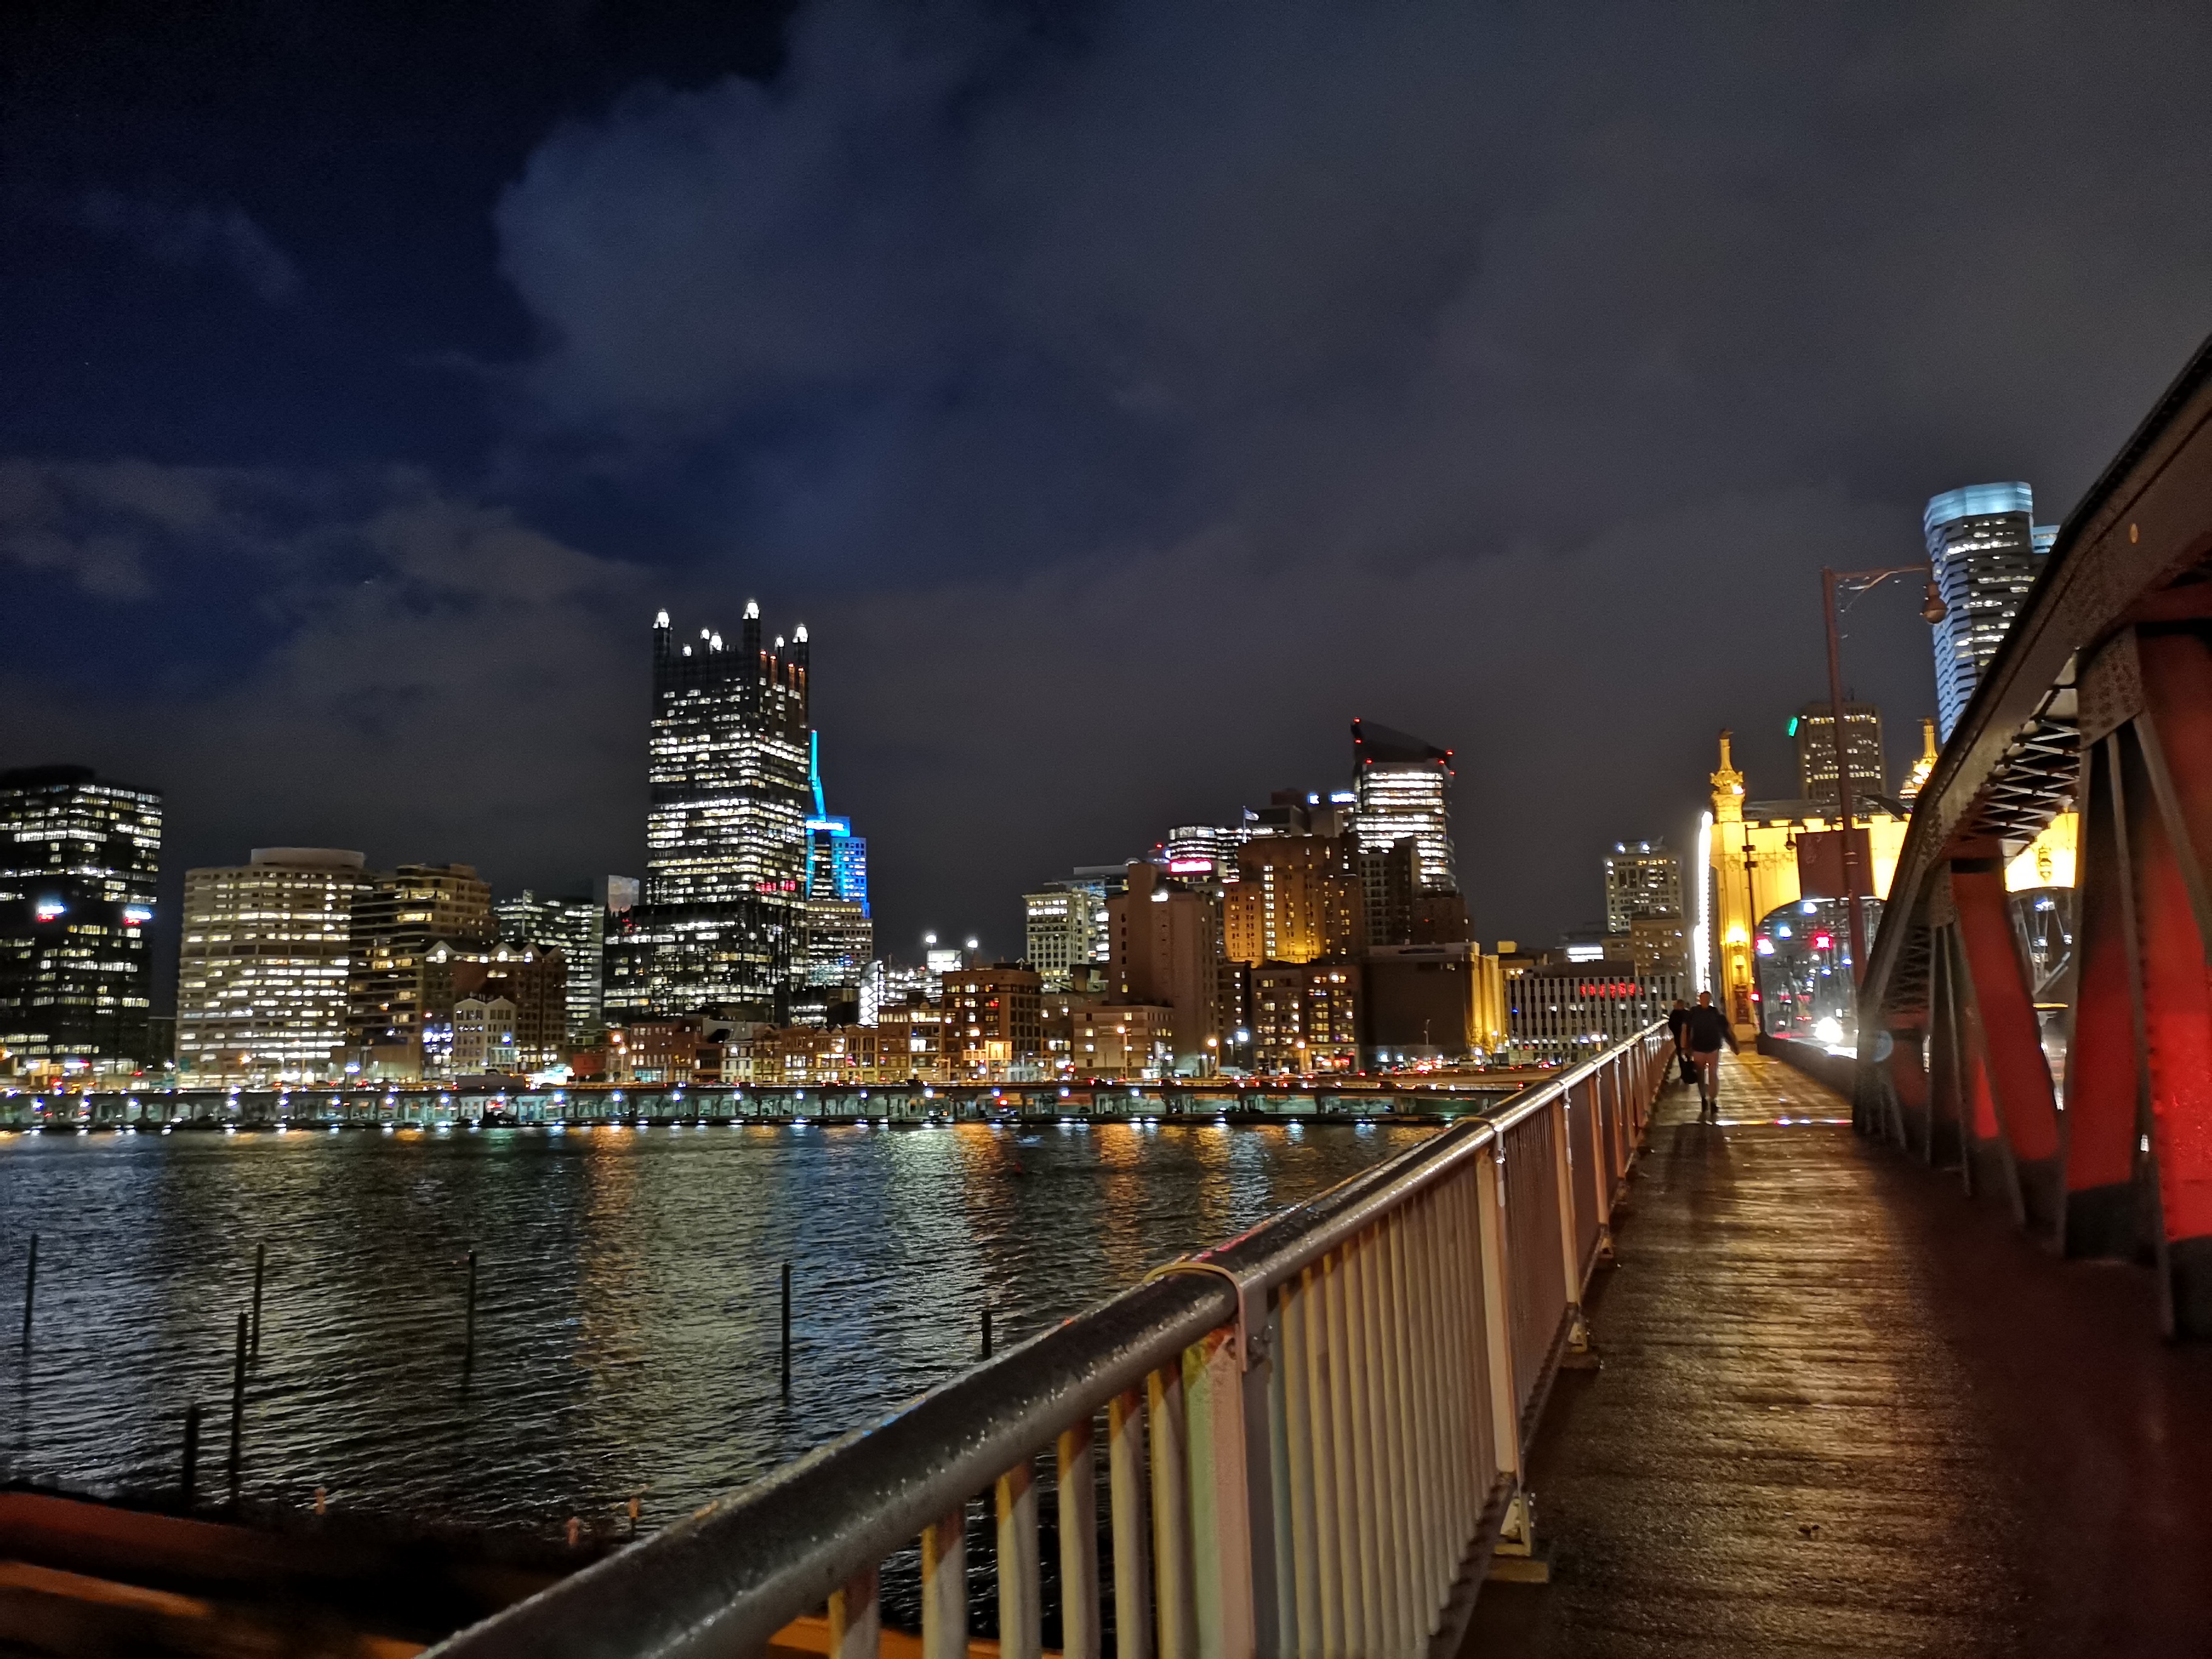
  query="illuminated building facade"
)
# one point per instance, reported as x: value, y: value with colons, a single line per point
x: 910, y: 1039
x: 1642, y: 878
x: 1296, y: 899
x: 1402, y: 824
x: 577, y: 925
x: 262, y: 972
x: 1566, y: 1014
x: 1202, y: 852
x: 1814, y: 728
x: 79, y: 860
x: 1305, y: 1016
x: 1121, y: 1040
x: 1166, y: 947
x: 1063, y: 928
x: 1985, y: 547
x: 395, y: 1019
x: 722, y: 922
x: 994, y: 1024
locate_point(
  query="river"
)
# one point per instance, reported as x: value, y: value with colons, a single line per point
x: 627, y: 1314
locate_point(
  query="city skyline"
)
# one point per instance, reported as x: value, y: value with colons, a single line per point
x: 393, y: 455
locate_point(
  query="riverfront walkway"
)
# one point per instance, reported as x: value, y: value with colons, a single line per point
x: 1843, y: 1410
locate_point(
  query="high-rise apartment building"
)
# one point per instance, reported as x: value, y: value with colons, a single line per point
x: 722, y: 922
x: 1815, y: 730
x: 1403, y: 785
x: 1166, y: 947
x: 262, y: 971
x: 399, y: 920
x: 1642, y: 878
x: 1296, y: 899
x: 79, y: 860
x: 1986, y: 549
x: 1064, y: 924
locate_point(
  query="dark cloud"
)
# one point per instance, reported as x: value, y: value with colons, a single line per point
x: 1128, y: 403
x: 192, y: 237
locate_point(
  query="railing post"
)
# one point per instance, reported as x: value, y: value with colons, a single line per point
x: 1021, y: 1613
x: 856, y: 1618
x: 1175, y: 1617
x: 1563, y: 1171
x: 945, y: 1588
x: 1078, y: 1545
x: 1125, y: 1473
x: 1515, y: 1532
x: 1231, y: 1500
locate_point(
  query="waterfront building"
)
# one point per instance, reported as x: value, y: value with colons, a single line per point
x: 993, y: 1023
x: 804, y: 1055
x: 1063, y: 927
x: 910, y: 1039
x: 1564, y: 1014
x: 393, y: 1002
x: 484, y: 1035
x: 687, y: 1048
x: 1305, y: 1016
x: 1814, y: 728
x: 532, y: 979
x: 721, y: 922
x: 1296, y: 898
x: 1165, y: 946
x: 1642, y: 878
x: 1403, y: 787
x: 263, y: 966
x: 79, y: 858
x: 1117, y: 1039
x: 1985, y: 549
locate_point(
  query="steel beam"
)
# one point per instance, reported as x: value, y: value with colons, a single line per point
x: 2174, y: 913
x: 2106, y: 1083
x: 2014, y: 1070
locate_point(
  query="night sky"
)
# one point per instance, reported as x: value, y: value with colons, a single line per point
x: 1126, y: 396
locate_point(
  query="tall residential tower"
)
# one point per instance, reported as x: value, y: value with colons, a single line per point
x: 1985, y: 547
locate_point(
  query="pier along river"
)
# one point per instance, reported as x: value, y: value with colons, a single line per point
x: 627, y: 1319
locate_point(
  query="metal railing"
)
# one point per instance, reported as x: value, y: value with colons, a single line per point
x: 1312, y: 1435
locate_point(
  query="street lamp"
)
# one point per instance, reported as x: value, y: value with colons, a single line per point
x: 1933, y: 611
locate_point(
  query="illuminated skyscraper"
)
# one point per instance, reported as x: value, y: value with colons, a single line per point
x: 1814, y: 728
x: 1404, y: 790
x: 1985, y: 547
x: 1642, y: 880
x: 578, y: 924
x: 393, y: 1002
x: 78, y: 862
x: 261, y: 977
x: 721, y: 925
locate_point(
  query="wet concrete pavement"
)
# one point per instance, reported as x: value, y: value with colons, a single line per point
x: 1844, y: 1410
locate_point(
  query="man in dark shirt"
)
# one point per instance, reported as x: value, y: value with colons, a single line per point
x: 1702, y: 1033
x: 1678, y: 1018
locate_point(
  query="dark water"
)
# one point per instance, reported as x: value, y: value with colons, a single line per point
x: 627, y: 1310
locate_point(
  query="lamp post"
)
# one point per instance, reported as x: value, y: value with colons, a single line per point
x: 1933, y: 611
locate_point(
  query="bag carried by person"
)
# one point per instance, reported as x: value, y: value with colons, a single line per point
x: 1689, y: 1069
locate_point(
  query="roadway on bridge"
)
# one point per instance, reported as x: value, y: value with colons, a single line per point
x: 1843, y: 1409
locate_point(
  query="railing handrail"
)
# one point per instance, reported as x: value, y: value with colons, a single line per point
x: 729, y: 1576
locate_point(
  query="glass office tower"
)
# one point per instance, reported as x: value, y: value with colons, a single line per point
x: 1986, y: 549
x: 79, y: 859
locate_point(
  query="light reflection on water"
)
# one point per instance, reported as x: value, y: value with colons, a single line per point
x: 627, y: 1301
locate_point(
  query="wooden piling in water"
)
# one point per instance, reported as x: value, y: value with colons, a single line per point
x: 260, y: 1264
x: 787, y: 1330
x: 30, y: 1288
x: 238, y: 1409
x: 469, y: 1335
x: 987, y: 1331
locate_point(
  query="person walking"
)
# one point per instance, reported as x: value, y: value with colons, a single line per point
x: 1678, y: 1019
x: 1704, y: 1032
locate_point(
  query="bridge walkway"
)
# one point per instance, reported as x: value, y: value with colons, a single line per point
x: 1842, y: 1410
